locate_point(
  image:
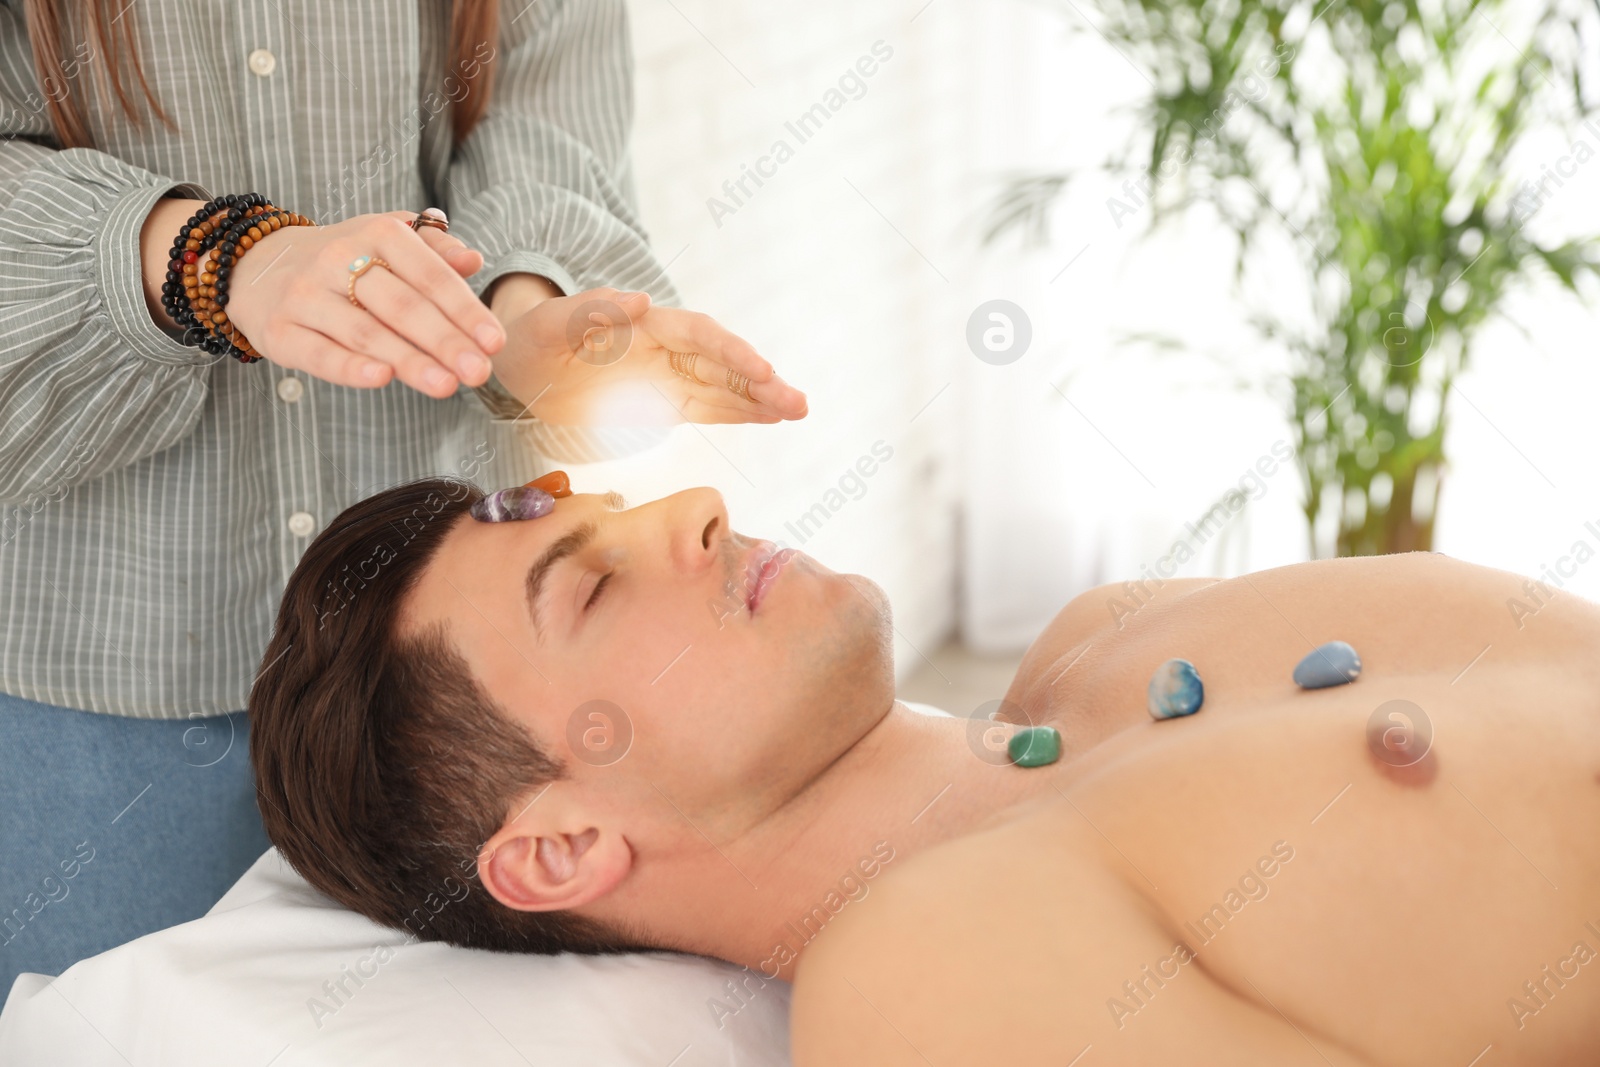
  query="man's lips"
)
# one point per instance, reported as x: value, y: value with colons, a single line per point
x: 761, y: 568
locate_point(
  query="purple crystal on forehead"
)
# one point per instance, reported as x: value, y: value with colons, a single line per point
x: 511, y: 505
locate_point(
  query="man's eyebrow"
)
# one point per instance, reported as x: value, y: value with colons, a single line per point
x: 564, y: 546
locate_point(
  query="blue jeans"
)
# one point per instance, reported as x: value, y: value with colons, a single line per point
x: 112, y: 827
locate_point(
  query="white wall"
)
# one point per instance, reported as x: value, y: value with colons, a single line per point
x: 856, y: 267
x: 837, y: 296
x: 1150, y: 441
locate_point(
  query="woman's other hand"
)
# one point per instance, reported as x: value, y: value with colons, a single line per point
x: 600, y: 358
x: 420, y: 321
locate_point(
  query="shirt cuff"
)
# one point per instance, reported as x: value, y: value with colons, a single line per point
x: 523, y: 260
x: 121, y: 264
x: 501, y: 405
x: 496, y: 398
x: 565, y: 444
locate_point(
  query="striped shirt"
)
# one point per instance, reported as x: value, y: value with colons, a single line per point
x: 155, y: 499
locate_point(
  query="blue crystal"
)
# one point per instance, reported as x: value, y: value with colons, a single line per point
x: 1334, y: 663
x: 512, y: 505
x: 1175, y: 690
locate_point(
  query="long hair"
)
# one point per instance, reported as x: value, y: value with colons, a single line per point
x: 472, y: 23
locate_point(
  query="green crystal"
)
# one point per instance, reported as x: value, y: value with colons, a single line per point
x: 1034, y: 746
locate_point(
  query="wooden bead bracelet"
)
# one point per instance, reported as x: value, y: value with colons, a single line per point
x: 195, y: 293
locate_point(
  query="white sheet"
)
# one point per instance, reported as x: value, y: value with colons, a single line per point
x: 243, y: 985
x: 255, y: 982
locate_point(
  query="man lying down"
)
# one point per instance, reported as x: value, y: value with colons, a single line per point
x: 561, y: 723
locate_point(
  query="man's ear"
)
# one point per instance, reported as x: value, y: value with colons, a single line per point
x: 552, y: 870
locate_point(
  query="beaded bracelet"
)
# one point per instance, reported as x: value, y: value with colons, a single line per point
x: 192, y: 245
x: 211, y: 293
x: 195, y: 298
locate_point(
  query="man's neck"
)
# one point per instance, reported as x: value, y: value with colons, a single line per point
x: 910, y: 783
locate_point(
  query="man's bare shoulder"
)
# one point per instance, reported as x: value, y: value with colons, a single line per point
x: 1003, y: 947
x: 1087, y: 618
x: 1086, y: 635
x: 874, y: 989
x: 833, y: 1020
x: 1117, y: 606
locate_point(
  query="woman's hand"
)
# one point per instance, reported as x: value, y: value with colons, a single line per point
x: 421, y: 323
x: 600, y: 358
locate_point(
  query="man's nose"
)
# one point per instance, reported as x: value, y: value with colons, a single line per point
x: 699, y: 527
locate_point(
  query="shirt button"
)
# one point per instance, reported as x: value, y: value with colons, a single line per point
x: 290, y: 389
x: 262, y: 62
x: 301, y: 524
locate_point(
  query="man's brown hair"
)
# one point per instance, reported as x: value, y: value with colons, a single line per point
x: 381, y: 765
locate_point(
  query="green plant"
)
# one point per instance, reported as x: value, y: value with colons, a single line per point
x: 1376, y: 137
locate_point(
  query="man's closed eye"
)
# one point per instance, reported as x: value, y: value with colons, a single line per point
x: 598, y: 588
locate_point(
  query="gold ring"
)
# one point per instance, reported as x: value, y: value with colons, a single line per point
x: 739, y: 384
x: 682, y: 364
x: 431, y: 216
x: 359, y: 266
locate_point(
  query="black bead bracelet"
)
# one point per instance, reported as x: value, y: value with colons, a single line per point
x: 196, y: 298
x: 190, y: 247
